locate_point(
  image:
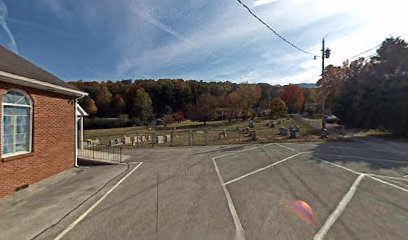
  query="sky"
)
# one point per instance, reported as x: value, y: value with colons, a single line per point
x: 210, y: 40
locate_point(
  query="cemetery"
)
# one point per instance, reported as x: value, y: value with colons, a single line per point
x: 214, y: 133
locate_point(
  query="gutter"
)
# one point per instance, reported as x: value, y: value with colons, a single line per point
x: 30, y: 82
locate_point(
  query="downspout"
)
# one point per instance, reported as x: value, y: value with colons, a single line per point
x: 76, y: 132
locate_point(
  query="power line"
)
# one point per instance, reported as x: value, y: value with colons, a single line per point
x: 370, y: 49
x: 364, y: 52
x: 270, y: 28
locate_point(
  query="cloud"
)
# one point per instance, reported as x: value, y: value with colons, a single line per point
x: 263, y: 2
x: 4, y: 29
x: 219, y: 40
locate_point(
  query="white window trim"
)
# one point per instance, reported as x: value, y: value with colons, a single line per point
x: 30, y: 139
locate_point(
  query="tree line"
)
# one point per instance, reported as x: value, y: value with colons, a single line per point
x: 371, y: 92
x: 176, y: 99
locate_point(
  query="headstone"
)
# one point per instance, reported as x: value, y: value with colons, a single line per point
x: 127, y: 140
x: 168, y: 138
x: 252, y: 133
x: 143, y: 139
x: 325, y: 133
x: 92, y: 142
x: 293, y: 133
x: 116, y: 141
x: 149, y: 138
x: 221, y: 135
x: 159, y: 139
x: 283, y: 131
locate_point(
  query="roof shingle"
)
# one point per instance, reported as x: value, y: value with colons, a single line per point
x: 15, y: 64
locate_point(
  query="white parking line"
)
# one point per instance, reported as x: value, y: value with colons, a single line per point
x: 365, y: 158
x: 241, y: 151
x: 239, y: 234
x: 261, y: 169
x: 388, y: 183
x: 390, y: 177
x: 337, y: 165
x: 280, y: 145
x: 372, y: 176
x: 339, y: 209
x: 80, y: 218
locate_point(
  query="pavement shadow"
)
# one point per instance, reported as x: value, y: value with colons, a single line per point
x: 376, y: 153
x: 92, y: 163
x: 223, y: 149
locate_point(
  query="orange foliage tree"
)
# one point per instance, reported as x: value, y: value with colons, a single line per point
x: 293, y: 97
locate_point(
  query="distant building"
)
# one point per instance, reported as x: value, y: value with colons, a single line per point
x: 39, y: 123
x: 315, y: 107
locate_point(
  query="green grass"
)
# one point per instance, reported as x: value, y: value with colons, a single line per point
x: 181, y: 132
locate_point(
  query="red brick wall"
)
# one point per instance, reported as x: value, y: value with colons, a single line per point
x: 53, y: 142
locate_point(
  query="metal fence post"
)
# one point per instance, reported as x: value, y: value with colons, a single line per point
x: 153, y: 139
x: 137, y: 140
x: 171, y: 137
x: 206, y: 137
x: 239, y: 135
x: 191, y: 134
x: 120, y: 154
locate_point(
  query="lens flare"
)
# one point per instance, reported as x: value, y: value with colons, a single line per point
x: 304, y: 212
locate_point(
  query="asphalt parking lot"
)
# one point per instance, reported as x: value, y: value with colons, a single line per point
x: 356, y: 190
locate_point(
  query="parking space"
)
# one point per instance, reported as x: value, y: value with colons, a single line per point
x: 354, y: 191
x: 332, y: 190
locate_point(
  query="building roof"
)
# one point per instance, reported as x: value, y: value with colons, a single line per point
x: 12, y: 64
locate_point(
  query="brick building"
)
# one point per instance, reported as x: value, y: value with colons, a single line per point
x: 38, y: 126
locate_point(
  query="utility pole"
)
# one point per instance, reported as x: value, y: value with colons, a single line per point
x: 325, y: 54
x: 323, y: 90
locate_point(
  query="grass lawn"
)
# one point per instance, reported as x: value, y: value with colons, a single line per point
x: 209, y: 133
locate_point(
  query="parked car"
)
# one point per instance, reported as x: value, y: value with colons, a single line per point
x: 331, y: 119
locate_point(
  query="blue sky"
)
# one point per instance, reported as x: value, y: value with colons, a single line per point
x: 213, y: 40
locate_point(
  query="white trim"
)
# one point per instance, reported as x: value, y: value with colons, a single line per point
x: 76, y: 132
x: 30, y: 82
x: 30, y: 132
x: 80, y: 111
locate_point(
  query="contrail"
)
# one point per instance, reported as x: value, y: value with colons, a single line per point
x: 3, y: 25
x: 147, y: 17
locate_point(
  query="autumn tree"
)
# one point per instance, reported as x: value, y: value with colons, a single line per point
x: 232, y: 103
x: 117, y: 106
x: 278, y: 108
x: 88, y: 104
x: 204, y: 110
x: 167, y: 119
x: 249, y: 95
x: 139, y: 103
x: 293, y: 97
x: 103, y: 99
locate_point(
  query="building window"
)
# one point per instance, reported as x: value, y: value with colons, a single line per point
x: 16, y: 122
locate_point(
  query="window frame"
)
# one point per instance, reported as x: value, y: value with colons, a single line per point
x: 30, y: 123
